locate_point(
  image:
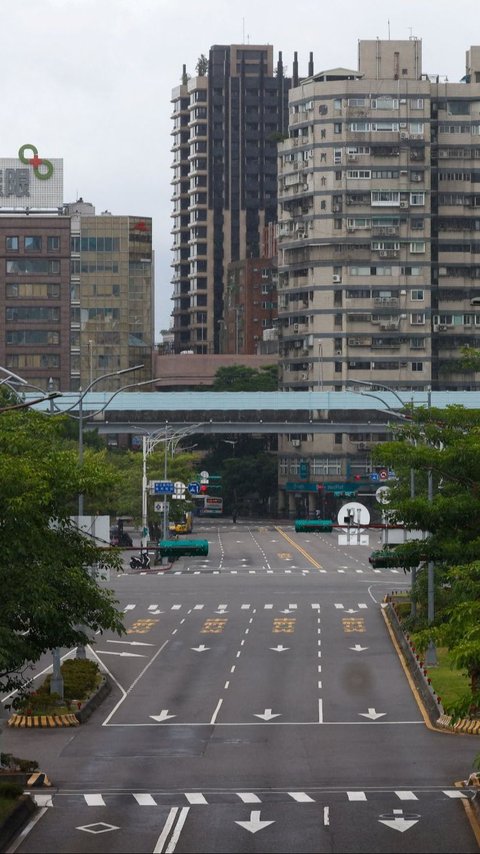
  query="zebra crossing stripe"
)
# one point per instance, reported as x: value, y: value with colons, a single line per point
x: 94, y: 800
x: 195, y: 798
x: 145, y: 800
x: 301, y: 797
x: 249, y: 798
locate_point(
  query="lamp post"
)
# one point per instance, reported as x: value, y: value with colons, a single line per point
x: 431, y: 653
x: 56, y: 682
x: 81, y: 652
x: 149, y: 443
x: 80, y: 415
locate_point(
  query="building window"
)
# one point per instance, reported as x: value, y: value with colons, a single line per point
x: 417, y: 198
x: 417, y: 366
x: 417, y: 295
x: 337, y: 127
x: 417, y: 318
x: 11, y: 244
x: 33, y: 243
x: 53, y: 243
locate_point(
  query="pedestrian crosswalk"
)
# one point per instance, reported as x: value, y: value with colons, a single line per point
x: 204, y: 568
x: 197, y: 798
x: 225, y: 608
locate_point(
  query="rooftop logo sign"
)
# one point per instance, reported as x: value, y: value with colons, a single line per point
x: 30, y: 181
x: 36, y: 162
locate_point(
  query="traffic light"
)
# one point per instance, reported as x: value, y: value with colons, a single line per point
x: 319, y: 487
x: 203, y: 488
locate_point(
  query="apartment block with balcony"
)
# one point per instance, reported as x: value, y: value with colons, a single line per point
x: 378, y: 261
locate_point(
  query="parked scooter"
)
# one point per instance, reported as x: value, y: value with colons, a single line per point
x: 142, y: 562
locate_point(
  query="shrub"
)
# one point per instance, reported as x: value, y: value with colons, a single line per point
x: 10, y: 790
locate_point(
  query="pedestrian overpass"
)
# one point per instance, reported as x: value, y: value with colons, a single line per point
x: 276, y: 412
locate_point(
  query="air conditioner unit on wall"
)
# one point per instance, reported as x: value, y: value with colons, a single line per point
x: 296, y: 443
x: 404, y: 204
x: 337, y: 279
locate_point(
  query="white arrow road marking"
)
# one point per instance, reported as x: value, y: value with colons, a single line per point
x: 279, y: 648
x: 201, y: 648
x: 399, y: 822
x: 131, y: 643
x: 358, y: 648
x: 254, y: 822
x: 286, y: 611
x: 162, y: 716
x: 351, y: 611
x: 124, y: 654
x: 372, y: 714
x: 156, y: 612
x: 268, y: 715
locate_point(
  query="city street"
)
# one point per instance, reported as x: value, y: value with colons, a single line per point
x: 257, y: 704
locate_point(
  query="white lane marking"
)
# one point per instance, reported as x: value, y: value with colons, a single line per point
x: 217, y: 709
x: 320, y: 711
x: 356, y: 796
x: 406, y: 796
x: 454, y: 793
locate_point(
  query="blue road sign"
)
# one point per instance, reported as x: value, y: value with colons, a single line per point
x: 194, y: 488
x: 162, y: 487
x: 374, y: 476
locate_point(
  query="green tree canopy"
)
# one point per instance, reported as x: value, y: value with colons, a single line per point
x: 437, y: 452
x: 243, y: 378
x: 47, y: 590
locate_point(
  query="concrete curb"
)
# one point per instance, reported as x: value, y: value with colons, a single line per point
x: 32, y: 721
x: 25, y: 807
x: 72, y: 719
x: 419, y: 673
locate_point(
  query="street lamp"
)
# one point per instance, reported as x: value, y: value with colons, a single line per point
x: 430, y: 654
x: 149, y: 443
x: 79, y: 405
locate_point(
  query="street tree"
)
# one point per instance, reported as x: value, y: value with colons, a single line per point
x: 49, y: 597
x: 244, y: 378
x: 442, y: 449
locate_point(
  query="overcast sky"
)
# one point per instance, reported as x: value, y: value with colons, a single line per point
x: 90, y: 81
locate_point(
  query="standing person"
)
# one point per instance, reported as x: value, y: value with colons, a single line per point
x: 234, y: 515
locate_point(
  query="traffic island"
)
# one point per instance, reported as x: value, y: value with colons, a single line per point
x: 82, y: 711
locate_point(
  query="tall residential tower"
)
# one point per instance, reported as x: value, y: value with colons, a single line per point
x: 227, y: 122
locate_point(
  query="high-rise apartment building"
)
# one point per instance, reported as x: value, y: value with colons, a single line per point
x: 379, y: 262
x: 226, y: 125
x: 379, y: 274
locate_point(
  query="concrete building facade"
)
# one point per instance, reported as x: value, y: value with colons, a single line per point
x: 379, y: 264
x: 76, y: 289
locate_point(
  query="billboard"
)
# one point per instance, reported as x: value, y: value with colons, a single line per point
x: 30, y: 181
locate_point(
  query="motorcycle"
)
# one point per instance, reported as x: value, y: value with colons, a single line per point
x: 142, y: 562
